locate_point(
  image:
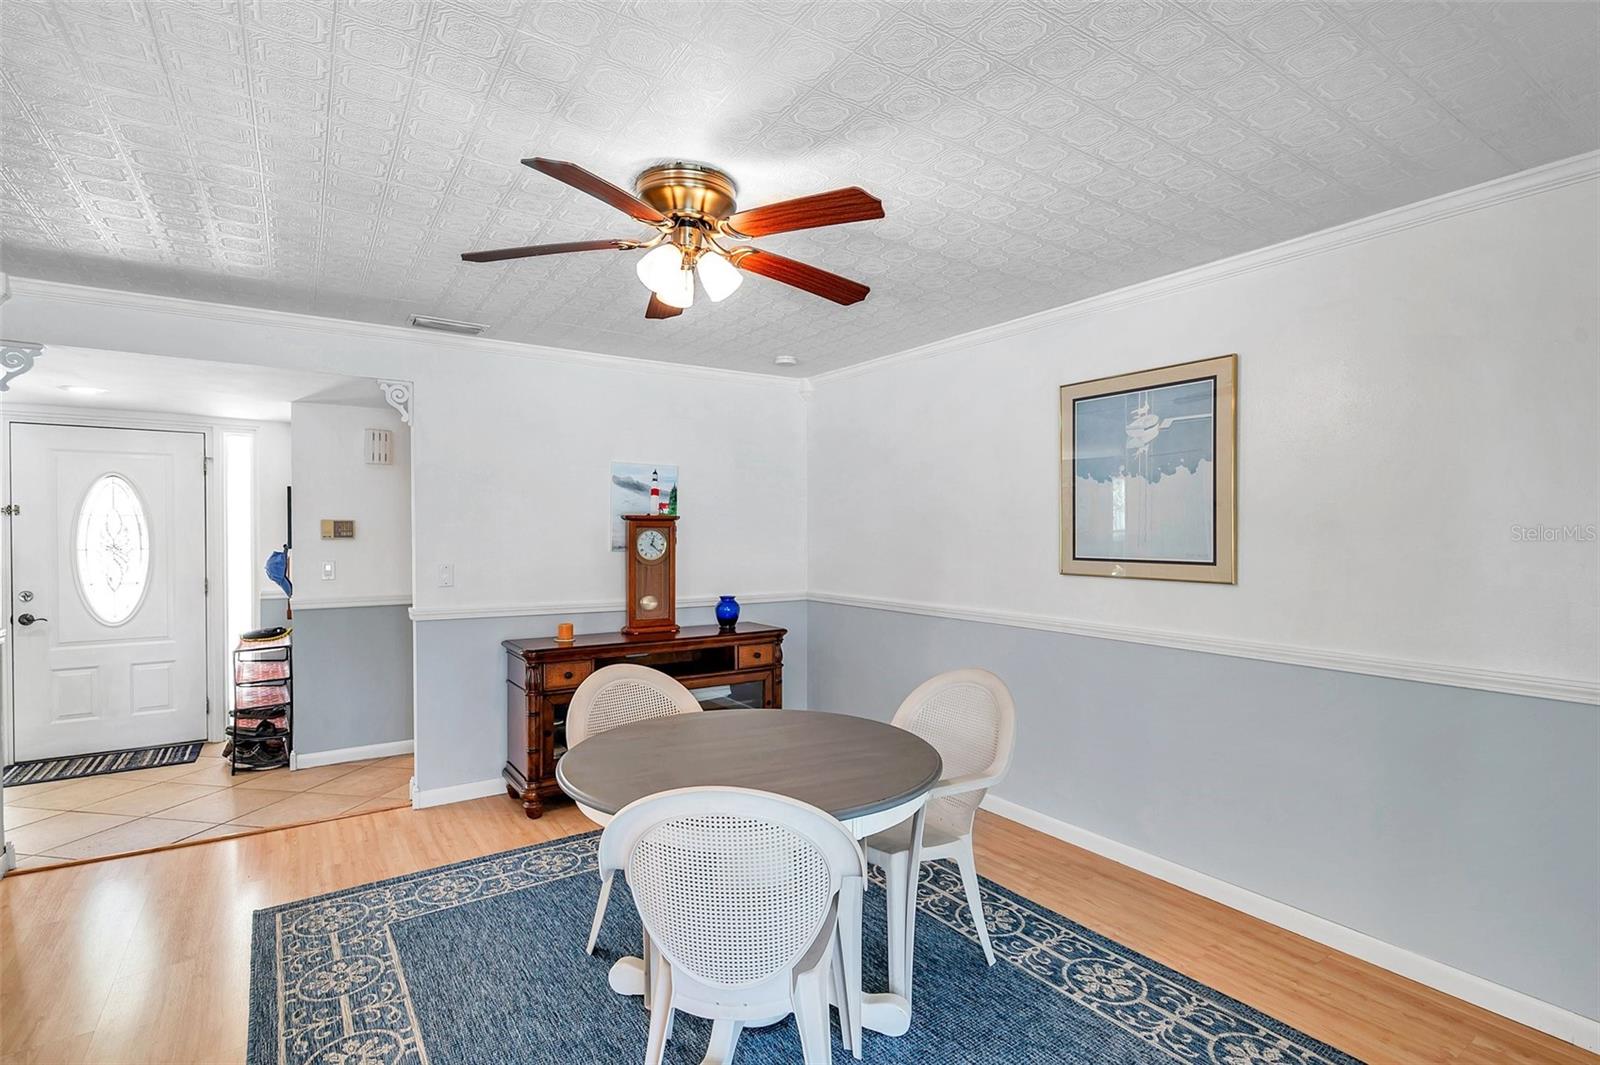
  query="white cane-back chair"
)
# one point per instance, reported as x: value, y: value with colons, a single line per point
x: 607, y: 699
x: 739, y: 893
x: 968, y: 716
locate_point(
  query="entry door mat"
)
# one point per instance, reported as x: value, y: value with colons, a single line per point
x: 483, y: 961
x: 93, y: 765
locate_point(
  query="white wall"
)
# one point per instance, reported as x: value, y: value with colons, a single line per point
x: 332, y: 480
x: 1406, y: 400
x: 1404, y: 403
x: 512, y: 444
x: 516, y: 459
x: 511, y: 450
x: 272, y: 477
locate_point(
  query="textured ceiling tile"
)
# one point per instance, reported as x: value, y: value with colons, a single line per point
x: 335, y: 156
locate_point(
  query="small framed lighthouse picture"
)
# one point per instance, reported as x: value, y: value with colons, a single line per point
x: 640, y: 488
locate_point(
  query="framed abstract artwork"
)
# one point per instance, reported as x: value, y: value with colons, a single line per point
x: 1147, y: 473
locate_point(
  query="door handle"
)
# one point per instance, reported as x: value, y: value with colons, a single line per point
x: 28, y: 619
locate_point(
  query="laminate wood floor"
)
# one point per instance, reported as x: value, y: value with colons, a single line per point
x: 146, y: 958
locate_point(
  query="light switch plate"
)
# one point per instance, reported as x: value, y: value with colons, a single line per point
x: 328, y: 571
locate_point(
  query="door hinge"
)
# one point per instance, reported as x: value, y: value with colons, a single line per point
x: 11, y: 510
x: 208, y: 585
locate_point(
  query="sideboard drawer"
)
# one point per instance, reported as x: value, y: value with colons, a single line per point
x: 566, y: 674
x: 755, y: 654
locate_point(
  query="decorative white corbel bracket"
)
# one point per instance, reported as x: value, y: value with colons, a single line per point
x: 398, y: 395
x: 16, y: 358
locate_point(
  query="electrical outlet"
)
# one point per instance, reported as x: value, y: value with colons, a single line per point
x: 447, y: 575
x: 328, y: 571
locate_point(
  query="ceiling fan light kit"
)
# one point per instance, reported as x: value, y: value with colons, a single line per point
x: 669, y: 273
x: 692, y: 207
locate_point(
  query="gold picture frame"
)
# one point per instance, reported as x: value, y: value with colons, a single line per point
x: 1121, y: 438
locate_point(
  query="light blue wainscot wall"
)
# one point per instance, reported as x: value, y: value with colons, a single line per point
x: 461, y: 686
x: 352, y: 675
x: 1461, y: 825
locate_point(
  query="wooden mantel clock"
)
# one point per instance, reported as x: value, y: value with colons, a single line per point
x: 652, y: 582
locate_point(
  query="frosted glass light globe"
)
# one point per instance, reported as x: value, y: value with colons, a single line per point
x: 661, y: 270
x: 719, y: 276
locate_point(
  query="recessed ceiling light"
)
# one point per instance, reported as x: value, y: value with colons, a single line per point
x: 83, y: 390
x: 786, y: 360
x: 447, y: 325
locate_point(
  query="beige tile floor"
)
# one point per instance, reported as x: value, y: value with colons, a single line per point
x: 91, y: 817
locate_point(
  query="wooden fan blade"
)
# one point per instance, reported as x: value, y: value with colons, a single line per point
x: 808, y: 212
x: 545, y: 249
x: 598, y: 187
x: 796, y: 273
x: 657, y: 309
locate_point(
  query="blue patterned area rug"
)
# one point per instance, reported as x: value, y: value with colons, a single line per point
x: 92, y: 765
x: 482, y: 963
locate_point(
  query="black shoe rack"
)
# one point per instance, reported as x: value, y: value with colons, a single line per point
x: 261, y: 725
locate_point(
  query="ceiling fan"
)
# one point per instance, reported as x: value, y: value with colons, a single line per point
x: 692, y: 208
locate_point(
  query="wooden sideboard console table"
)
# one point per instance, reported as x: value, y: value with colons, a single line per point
x: 541, y: 676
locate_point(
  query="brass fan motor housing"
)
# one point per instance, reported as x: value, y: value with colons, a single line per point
x: 689, y: 190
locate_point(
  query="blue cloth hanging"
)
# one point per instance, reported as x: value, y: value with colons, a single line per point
x: 278, y: 571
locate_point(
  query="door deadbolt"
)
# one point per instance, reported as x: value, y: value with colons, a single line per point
x: 26, y: 597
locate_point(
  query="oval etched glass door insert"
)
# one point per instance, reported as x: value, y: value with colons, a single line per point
x: 113, y: 553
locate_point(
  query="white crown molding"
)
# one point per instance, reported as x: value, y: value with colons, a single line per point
x: 1513, y: 186
x: 1524, y: 1009
x: 593, y: 606
x: 262, y: 318
x: 350, y: 602
x: 1539, y: 179
x: 120, y: 418
x: 1570, y: 690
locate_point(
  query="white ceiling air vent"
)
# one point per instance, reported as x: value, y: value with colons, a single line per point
x: 446, y: 325
x: 380, y: 447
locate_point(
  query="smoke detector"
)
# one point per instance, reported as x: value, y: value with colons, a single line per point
x: 447, y: 325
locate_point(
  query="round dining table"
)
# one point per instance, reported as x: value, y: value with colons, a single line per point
x: 869, y: 775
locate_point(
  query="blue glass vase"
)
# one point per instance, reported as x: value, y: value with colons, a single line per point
x: 727, y: 613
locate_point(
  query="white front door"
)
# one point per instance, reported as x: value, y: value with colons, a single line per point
x: 108, y: 596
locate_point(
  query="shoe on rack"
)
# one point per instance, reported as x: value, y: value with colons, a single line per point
x: 267, y: 754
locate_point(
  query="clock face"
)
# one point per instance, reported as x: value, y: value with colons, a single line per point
x: 651, y: 545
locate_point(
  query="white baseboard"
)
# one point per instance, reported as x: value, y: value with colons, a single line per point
x: 477, y: 789
x: 1524, y: 1009
x: 311, y: 759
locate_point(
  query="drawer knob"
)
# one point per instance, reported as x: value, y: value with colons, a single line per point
x: 567, y: 675
x: 756, y: 655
